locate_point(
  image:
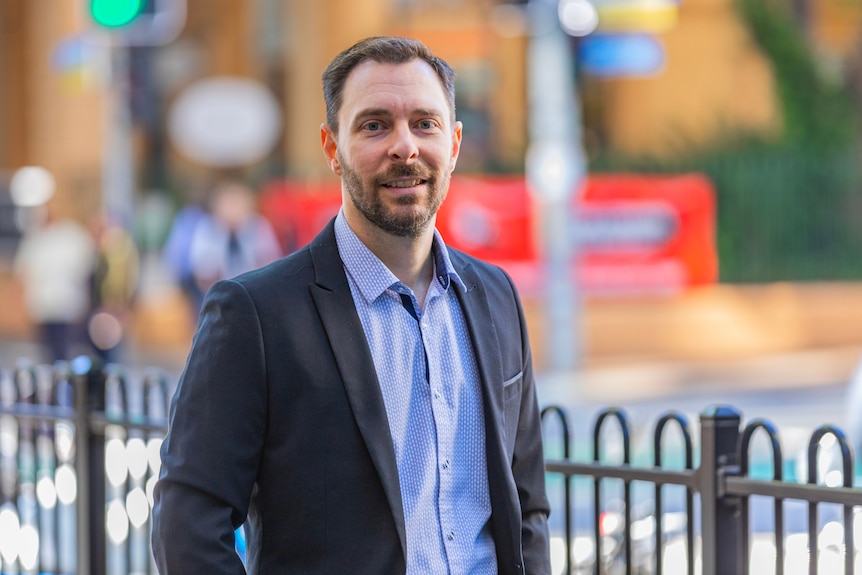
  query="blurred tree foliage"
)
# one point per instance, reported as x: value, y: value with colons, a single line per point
x: 789, y: 207
x: 816, y: 112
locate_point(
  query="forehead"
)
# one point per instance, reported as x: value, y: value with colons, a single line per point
x: 403, y: 88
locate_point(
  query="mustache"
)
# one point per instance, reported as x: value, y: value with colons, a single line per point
x: 412, y: 171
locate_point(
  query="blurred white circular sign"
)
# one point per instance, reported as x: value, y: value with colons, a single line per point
x: 225, y: 122
x: 31, y: 186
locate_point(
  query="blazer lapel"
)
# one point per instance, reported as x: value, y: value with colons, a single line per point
x: 338, y: 314
x: 483, y: 333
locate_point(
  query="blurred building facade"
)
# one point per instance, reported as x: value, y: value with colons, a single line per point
x: 52, y: 106
x: 57, y: 75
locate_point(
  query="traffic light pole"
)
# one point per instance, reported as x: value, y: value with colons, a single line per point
x: 118, y: 180
x: 127, y: 23
x: 555, y: 170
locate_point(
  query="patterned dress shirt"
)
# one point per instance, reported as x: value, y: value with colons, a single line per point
x: 430, y: 384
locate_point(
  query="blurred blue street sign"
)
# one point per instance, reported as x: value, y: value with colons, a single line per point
x: 613, y: 55
x: 76, y: 59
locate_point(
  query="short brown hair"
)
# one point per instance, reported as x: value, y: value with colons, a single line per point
x: 385, y: 50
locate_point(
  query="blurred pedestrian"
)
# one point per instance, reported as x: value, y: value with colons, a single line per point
x: 231, y: 238
x: 55, y: 261
x: 176, y: 253
x: 114, y: 284
x: 367, y: 404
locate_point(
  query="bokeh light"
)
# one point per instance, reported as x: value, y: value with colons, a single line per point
x: 116, y: 459
x: 66, y: 484
x: 117, y: 522
x: 32, y: 186
x: 578, y: 17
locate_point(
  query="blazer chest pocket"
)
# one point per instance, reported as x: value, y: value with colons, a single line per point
x: 512, y: 408
x: 512, y: 386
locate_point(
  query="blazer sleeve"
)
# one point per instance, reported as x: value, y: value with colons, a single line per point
x: 211, y: 452
x: 528, y: 467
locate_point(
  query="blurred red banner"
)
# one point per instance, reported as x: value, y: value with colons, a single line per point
x: 631, y: 233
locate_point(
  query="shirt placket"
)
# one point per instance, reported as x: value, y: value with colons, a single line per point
x: 442, y: 409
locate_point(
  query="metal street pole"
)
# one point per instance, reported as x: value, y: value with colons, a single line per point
x: 555, y: 169
x: 157, y: 26
x: 118, y: 180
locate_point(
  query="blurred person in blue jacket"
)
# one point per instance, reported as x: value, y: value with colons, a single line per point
x: 232, y: 237
x: 176, y: 253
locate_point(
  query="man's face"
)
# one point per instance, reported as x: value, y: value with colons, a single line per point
x: 396, y: 147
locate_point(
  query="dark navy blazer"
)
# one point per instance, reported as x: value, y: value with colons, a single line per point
x: 278, y: 419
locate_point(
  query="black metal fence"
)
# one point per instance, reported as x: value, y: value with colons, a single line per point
x: 78, y: 460
x: 715, y: 530
x: 79, y: 457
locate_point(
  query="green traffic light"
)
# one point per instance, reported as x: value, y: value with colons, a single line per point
x: 115, y: 13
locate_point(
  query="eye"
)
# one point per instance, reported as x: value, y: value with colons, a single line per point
x: 373, y: 126
x: 427, y: 124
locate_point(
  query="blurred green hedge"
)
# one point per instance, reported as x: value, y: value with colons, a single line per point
x: 789, y: 208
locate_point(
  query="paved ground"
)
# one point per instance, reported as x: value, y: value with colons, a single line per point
x: 634, y: 380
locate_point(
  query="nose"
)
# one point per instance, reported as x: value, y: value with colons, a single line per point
x: 403, y: 146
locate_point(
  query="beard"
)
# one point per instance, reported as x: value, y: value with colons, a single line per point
x: 410, y: 223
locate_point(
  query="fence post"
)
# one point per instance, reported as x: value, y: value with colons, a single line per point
x: 721, y: 543
x: 90, y: 468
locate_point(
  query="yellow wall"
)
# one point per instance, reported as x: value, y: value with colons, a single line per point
x: 714, y: 78
x: 64, y: 117
x: 13, y: 58
x: 837, y: 25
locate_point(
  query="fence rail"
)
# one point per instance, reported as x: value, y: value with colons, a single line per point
x: 79, y: 457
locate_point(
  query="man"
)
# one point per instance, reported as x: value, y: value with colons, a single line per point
x: 366, y: 405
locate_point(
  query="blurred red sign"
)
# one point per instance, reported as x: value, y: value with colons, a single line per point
x: 634, y: 233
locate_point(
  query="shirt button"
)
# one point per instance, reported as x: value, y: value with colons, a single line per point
x: 450, y: 536
x: 445, y: 464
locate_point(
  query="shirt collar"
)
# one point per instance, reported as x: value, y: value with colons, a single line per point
x: 371, y: 275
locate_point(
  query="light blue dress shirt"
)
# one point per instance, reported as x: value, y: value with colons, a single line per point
x: 430, y: 385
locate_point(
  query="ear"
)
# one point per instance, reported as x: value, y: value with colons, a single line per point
x: 456, y: 142
x: 329, y: 143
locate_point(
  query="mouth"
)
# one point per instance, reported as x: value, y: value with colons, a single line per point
x: 403, y: 184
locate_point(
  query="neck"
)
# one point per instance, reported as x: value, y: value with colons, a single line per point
x: 409, y: 259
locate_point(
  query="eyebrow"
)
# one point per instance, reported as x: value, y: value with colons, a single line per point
x: 385, y: 113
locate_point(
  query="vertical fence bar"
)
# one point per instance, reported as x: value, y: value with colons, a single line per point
x: 156, y: 406
x: 778, y: 502
x: 623, y: 421
x: 65, y: 479
x: 90, y: 461
x: 813, y: 509
x: 720, y: 516
x: 567, y: 486
x: 682, y: 422
x: 82, y: 470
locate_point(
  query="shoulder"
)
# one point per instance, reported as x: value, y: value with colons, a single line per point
x: 295, y: 268
x: 470, y: 266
